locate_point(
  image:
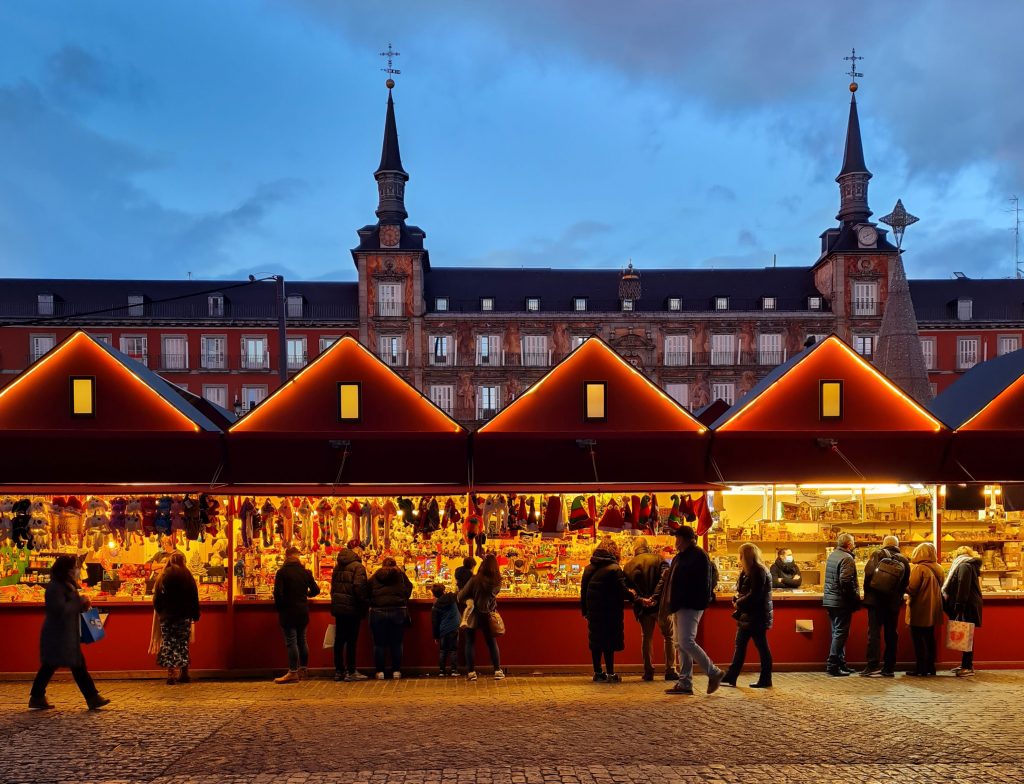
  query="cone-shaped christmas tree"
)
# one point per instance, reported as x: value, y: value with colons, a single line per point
x: 899, y: 354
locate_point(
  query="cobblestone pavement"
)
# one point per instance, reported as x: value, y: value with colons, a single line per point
x: 524, y: 730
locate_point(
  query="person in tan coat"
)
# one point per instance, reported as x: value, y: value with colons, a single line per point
x: 924, y: 612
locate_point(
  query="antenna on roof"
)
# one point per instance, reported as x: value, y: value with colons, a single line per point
x: 1015, y: 209
x: 774, y: 259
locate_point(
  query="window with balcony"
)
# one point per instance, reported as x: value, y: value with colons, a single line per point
x: 214, y: 353
x: 533, y: 304
x: 814, y: 303
x: 136, y: 304
x: 769, y: 349
x: 627, y: 305
x: 768, y: 303
x: 293, y: 306
x: 928, y: 352
x: 296, y: 353
x: 488, y: 351
x: 865, y: 298
x: 576, y: 341
x: 1008, y: 344
x: 216, y: 394
x: 136, y: 347
x: 253, y: 395
x: 579, y: 304
x: 44, y: 305
x: 441, y: 304
x: 675, y: 303
x: 721, y: 303
x: 40, y: 344
x: 486, y: 402
x: 389, y: 300
x: 864, y: 345
x: 254, y: 353
x: 680, y: 393
x: 487, y: 303
x: 443, y: 396
x: 392, y: 350
x: 104, y: 339
x: 174, y: 352
x: 215, y: 306
x: 966, y: 352
x: 327, y: 341
x: 677, y: 350
x: 535, y: 351
x: 723, y: 349
x: 724, y: 391
x: 441, y: 350
x: 964, y: 309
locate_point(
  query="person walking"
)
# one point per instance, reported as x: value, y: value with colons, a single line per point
x: 176, y: 604
x: 603, y: 590
x: 785, y: 572
x: 688, y: 588
x: 293, y: 587
x: 886, y: 576
x: 754, y: 615
x: 924, y: 611
x: 643, y: 573
x: 483, y: 589
x: 961, y: 595
x: 348, y: 606
x: 841, y: 599
x: 60, y: 641
x: 389, y: 590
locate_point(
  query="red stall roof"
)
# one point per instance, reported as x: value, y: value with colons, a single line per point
x: 131, y: 426
x: 392, y: 440
x: 986, y: 408
x: 544, y: 441
x: 828, y: 415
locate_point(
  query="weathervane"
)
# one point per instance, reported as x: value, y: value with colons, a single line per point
x: 390, y: 54
x: 898, y: 220
x: 854, y: 74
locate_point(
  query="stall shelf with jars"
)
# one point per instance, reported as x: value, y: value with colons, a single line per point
x: 985, y: 524
x: 121, y: 543
x: 806, y: 519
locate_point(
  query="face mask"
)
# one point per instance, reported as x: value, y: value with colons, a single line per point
x: 789, y: 559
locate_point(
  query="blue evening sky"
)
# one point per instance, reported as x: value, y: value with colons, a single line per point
x: 158, y: 139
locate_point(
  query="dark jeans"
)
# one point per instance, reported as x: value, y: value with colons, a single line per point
x: 346, y: 634
x: 295, y: 642
x: 609, y: 659
x: 760, y: 638
x: 388, y: 629
x: 924, y: 648
x: 647, y: 624
x: 967, y: 660
x: 79, y: 673
x: 448, y: 645
x: 885, y: 620
x: 840, y: 618
x: 484, y: 627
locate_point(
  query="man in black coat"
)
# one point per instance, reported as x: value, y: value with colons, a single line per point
x: 293, y: 586
x: 643, y: 573
x: 886, y: 576
x: 785, y: 572
x: 841, y: 599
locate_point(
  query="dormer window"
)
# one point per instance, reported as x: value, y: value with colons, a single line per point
x: 294, y: 306
x: 964, y: 309
x: 533, y: 304
x: 441, y: 304
x: 215, y: 305
x: 579, y: 304
x: 721, y: 303
x: 675, y: 303
x: 44, y: 305
x: 627, y: 305
x: 136, y: 304
x: 767, y: 303
x: 487, y: 303
x: 814, y: 303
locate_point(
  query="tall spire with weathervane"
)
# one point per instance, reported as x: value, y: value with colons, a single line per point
x: 390, y: 175
x: 853, y: 179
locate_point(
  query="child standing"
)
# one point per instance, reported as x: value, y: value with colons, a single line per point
x: 445, y: 619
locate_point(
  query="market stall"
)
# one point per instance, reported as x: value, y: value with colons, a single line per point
x: 825, y: 444
x: 102, y: 459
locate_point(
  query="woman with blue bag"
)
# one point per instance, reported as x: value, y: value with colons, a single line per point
x: 60, y: 643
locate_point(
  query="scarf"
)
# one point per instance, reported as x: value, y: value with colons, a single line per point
x: 959, y: 561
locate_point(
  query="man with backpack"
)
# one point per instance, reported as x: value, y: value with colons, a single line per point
x: 886, y: 576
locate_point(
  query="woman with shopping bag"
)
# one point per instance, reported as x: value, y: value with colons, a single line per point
x: 482, y: 590
x: 176, y: 604
x: 60, y: 643
x: 961, y: 597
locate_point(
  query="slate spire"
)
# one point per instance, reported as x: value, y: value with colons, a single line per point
x: 854, y: 176
x: 390, y: 175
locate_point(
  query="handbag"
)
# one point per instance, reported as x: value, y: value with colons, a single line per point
x: 329, y: 636
x: 92, y: 626
x: 497, y: 624
x: 960, y: 636
x: 742, y: 619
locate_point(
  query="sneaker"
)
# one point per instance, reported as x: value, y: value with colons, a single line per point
x: 600, y: 677
x: 380, y: 676
x: 871, y: 672
x: 888, y: 674
x: 340, y: 676
x: 836, y: 672
x: 289, y: 677
x: 39, y: 703
x: 356, y: 676
x: 715, y: 680
x: 679, y: 688
x: 614, y: 677
x: 499, y: 675
x: 964, y: 672
x: 847, y: 668
x: 915, y: 674
x: 471, y: 676
x: 442, y: 674
x: 397, y: 676
x: 671, y: 675
x: 96, y: 701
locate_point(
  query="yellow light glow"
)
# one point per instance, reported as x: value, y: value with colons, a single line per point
x: 595, y: 394
x: 349, y: 402
x: 82, y: 396
x: 831, y: 400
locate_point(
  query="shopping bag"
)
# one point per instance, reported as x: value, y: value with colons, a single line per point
x: 497, y: 624
x: 92, y: 626
x: 156, y: 637
x: 960, y: 636
x: 468, y: 617
x: 329, y: 636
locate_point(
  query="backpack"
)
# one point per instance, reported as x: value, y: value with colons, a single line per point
x: 888, y: 575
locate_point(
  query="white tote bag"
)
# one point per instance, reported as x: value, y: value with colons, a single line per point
x: 329, y: 636
x: 960, y: 636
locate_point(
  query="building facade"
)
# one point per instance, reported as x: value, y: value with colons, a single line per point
x: 473, y: 339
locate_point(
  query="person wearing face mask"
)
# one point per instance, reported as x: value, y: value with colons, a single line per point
x: 785, y: 572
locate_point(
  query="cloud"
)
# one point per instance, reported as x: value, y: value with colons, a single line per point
x: 574, y: 247
x: 76, y: 77
x: 964, y: 245
x: 746, y: 238
x: 721, y: 192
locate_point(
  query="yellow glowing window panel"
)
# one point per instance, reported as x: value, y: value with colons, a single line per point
x: 83, y: 396
x: 349, y: 402
x: 831, y: 400
x: 595, y: 403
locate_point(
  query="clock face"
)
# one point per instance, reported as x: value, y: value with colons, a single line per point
x: 866, y: 235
